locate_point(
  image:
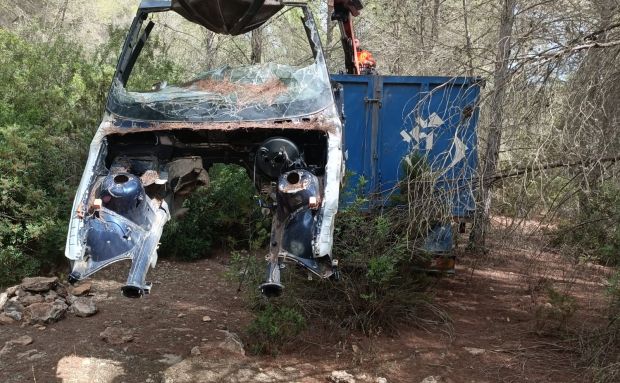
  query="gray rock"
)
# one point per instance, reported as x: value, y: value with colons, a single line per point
x: 170, y: 359
x: 207, y: 318
x: 29, y: 299
x: 4, y: 297
x: 381, y: 380
x: 61, y: 290
x: 231, y: 343
x: 195, y: 351
x: 84, y: 307
x: 341, y: 377
x: 50, y: 296
x: 431, y: 379
x: 116, y: 335
x: 23, y: 340
x: 31, y: 355
x: 71, y: 299
x: 41, y: 313
x: 14, y: 310
x: 10, y: 292
x: 39, y: 284
x: 5, y: 319
x: 19, y: 293
x: 474, y: 350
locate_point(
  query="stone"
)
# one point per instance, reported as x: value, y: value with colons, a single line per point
x: 116, y: 335
x: 50, y: 296
x: 70, y: 299
x: 195, y: 351
x: 10, y: 292
x: 14, y: 310
x: 31, y: 355
x: 431, y: 379
x: 207, y: 318
x: 41, y: 313
x: 81, y: 289
x: 5, y: 319
x: 341, y: 376
x: 474, y: 350
x: 232, y: 343
x: 170, y: 359
x: 84, y: 307
x: 39, y: 284
x: 23, y: 340
x: 61, y: 290
x: 181, y: 315
x: 4, y: 297
x: 15, y: 315
x: 29, y: 299
x: 381, y: 380
x: 20, y: 293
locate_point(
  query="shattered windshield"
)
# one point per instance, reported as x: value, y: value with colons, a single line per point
x: 188, y: 73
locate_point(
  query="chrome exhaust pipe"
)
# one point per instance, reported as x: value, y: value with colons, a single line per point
x: 272, y: 288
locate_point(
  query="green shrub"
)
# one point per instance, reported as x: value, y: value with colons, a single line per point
x: 596, y: 233
x: 50, y: 104
x: 224, y: 214
x: 273, y: 327
x: 379, y: 287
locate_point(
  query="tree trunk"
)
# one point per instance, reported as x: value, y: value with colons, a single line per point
x: 257, y: 46
x: 329, y: 29
x: 501, y: 79
x: 435, y: 23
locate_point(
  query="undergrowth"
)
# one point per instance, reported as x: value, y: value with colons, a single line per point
x: 380, y: 286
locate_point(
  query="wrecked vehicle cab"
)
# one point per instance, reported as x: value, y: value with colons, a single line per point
x: 159, y: 137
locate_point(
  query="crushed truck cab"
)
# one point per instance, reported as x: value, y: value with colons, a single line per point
x: 155, y: 146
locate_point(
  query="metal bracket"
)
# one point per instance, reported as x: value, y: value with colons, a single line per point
x: 373, y: 100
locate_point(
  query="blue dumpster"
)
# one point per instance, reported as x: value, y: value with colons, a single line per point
x: 387, y: 118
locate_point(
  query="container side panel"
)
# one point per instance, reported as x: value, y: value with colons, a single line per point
x: 357, y: 133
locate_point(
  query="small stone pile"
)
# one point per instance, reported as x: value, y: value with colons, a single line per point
x: 43, y: 300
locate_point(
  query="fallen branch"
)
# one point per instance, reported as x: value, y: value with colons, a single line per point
x: 554, y: 165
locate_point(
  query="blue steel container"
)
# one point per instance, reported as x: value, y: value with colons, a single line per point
x: 389, y: 117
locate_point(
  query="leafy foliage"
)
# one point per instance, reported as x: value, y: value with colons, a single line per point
x: 597, y: 235
x: 273, y: 327
x: 226, y: 211
x: 52, y: 97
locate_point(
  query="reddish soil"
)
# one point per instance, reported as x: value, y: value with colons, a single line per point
x: 496, y: 304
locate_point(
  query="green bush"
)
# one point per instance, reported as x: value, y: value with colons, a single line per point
x: 224, y: 214
x: 379, y: 287
x: 50, y: 104
x: 596, y: 233
x: 273, y: 327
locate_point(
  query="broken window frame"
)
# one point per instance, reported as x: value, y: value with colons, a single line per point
x: 204, y: 106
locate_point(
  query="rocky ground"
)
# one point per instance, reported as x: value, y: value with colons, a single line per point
x: 191, y: 329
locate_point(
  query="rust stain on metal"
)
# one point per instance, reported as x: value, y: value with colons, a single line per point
x: 315, y: 123
x: 292, y: 188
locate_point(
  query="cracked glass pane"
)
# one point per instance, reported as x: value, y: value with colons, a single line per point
x: 213, y: 86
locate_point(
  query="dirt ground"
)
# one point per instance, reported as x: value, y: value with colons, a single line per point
x: 499, y: 331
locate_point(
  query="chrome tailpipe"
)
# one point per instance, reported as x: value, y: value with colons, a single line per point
x: 272, y: 287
